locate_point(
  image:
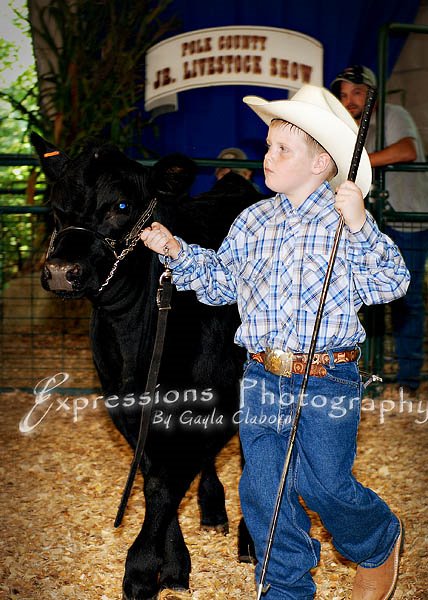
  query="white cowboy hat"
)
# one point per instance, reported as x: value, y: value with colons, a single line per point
x: 320, y: 114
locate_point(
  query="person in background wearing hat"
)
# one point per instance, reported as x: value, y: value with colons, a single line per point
x: 408, y: 192
x: 272, y: 264
x: 235, y: 191
x: 232, y: 154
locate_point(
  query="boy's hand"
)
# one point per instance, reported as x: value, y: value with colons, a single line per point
x: 160, y: 239
x: 349, y: 202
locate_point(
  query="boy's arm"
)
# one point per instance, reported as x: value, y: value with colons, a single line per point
x: 194, y: 268
x: 378, y: 268
x: 379, y: 272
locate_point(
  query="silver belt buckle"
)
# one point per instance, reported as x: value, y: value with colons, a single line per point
x: 279, y: 362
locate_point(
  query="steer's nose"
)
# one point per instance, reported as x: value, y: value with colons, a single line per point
x: 59, y: 276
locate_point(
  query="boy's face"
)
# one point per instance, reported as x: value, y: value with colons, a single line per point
x: 353, y: 97
x: 288, y: 161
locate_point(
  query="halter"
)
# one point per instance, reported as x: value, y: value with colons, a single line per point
x: 129, y: 241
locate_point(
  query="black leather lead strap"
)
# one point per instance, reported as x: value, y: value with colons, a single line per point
x: 164, y: 304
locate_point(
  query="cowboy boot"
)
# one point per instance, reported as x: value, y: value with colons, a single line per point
x: 379, y: 583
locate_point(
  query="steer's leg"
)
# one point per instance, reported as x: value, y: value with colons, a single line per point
x: 211, y: 500
x: 151, y: 561
x: 144, y: 558
x: 176, y: 564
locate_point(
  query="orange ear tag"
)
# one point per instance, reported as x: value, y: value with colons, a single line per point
x: 49, y: 154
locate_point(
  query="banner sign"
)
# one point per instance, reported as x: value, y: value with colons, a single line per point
x: 260, y: 56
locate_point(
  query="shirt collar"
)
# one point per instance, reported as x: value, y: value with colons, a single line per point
x: 313, y: 208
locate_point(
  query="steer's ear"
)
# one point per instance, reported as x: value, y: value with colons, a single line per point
x: 173, y: 175
x: 52, y: 159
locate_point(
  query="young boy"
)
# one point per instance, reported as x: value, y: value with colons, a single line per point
x: 273, y: 264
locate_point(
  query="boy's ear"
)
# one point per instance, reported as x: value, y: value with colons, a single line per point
x: 321, y: 163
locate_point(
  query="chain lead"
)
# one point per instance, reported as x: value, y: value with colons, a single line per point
x: 166, y: 275
x: 167, y: 257
x: 131, y: 240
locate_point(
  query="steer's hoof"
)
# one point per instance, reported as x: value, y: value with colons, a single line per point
x: 168, y: 594
x: 222, y: 528
x: 138, y: 596
x: 246, y: 551
x: 247, y: 556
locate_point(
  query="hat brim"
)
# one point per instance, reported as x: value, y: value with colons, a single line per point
x: 334, y: 135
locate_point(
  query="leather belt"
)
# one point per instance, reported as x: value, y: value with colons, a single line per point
x: 280, y: 362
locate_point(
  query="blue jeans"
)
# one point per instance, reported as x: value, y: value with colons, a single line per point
x: 408, y: 314
x: 362, y: 526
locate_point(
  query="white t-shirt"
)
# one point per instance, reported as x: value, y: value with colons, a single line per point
x: 408, y: 191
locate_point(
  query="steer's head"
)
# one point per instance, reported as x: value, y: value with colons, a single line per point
x: 99, y: 201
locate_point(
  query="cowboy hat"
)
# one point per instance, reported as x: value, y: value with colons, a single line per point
x: 320, y: 114
x: 233, y: 153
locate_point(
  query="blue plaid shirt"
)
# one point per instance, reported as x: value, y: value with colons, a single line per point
x: 273, y: 264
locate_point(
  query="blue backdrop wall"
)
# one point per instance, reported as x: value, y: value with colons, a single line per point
x: 209, y: 119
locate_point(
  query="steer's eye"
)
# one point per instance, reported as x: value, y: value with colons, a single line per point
x: 122, y: 207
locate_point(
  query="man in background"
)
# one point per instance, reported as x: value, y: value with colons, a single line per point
x: 408, y: 192
x: 232, y: 154
x: 235, y: 189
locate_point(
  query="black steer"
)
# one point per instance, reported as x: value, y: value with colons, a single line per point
x: 97, y: 199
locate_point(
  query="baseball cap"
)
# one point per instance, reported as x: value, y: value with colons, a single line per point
x: 354, y: 74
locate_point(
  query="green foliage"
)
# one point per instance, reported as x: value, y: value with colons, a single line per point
x: 94, y: 81
x: 22, y: 236
x: 17, y: 78
x: 90, y: 56
x: 7, y: 54
x: 17, y: 109
x: 92, y: 84
x: 17, y: 231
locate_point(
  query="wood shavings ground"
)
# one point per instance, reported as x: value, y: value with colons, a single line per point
x: 62, y: 483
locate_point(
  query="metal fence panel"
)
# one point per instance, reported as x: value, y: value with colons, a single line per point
x: 40, y: 335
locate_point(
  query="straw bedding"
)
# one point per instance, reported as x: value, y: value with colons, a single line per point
x: 62, y: 482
